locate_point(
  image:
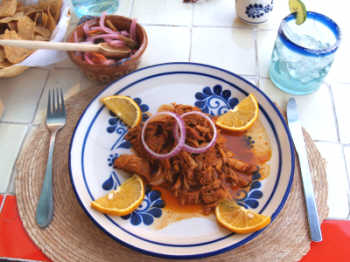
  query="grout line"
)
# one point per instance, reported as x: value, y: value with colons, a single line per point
x: 225, y: 26
x: 197, y: 26
x: 191, y: 34
x: 41, y: 95
x: 164, y: 25
x: 325, y: 141
x: 257, y: 68
x: 14, y: 122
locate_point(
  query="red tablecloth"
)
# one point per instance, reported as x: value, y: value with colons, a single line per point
x: 15, y: 243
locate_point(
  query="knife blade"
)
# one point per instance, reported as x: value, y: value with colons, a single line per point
x: 299, y: 143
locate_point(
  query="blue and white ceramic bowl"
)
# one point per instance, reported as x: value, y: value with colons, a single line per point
x: 254, y: 11
x: 99, y: 138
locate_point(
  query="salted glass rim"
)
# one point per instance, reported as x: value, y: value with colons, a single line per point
x: 326, y: 21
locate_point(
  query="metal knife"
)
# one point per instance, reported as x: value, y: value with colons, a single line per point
x: 299, y: 143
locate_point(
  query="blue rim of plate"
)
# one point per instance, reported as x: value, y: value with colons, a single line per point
x: 202, y: 255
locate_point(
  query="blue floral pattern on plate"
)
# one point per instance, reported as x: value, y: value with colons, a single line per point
x: 215, y: 101
x: 150, y: 208
x: 249, y: 198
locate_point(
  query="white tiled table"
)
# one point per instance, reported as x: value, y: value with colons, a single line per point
x: 206, y: 32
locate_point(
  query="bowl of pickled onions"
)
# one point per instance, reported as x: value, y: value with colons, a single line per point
x: 118, y: 32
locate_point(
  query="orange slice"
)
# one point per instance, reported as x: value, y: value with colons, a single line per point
x: 122, y: 201
x: 125, y: 108
x: 241, y: 117
x: 238, y: 219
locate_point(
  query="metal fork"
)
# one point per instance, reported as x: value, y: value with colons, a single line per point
x: 55, y: 120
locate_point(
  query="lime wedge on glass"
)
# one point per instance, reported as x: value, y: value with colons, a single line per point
x: 298, y: 7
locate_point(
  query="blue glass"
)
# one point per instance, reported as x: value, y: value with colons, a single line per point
x: 303, y: 54
x: 94, y: 7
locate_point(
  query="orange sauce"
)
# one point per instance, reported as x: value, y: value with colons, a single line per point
x: 238, y: 145
x: 173, y: 204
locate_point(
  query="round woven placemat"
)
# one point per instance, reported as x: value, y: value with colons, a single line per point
x: 72, y: 236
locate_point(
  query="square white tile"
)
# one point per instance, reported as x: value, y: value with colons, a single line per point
x: 339, y: 70
x: 265, y: 44
x: 229, y: 48
x: 67, y: 79
x: 11, y: 137
x: 20, y: 95
x: 338, y: 184
x: 341, y: 93
x: 215, y: 13
x: 315, y: 110
x: 165, y: 12
x: 166, y: 44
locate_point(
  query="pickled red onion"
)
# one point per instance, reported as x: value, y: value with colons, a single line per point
x: 125, y: 33
x: 180, y: 140
x: 104, y: 36
x: 115, y: 43
x: 102, y: 24
x: 133, y: 29
x: 87, y: 24
x: 87, y: 58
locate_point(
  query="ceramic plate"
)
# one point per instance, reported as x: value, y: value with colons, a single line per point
x: 99, y: 138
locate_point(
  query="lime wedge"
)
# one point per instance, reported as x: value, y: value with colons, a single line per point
x: 300, y: 9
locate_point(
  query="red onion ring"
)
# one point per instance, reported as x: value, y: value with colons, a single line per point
x: 87, y: 58
x: 133, y: 29
x: 104, y: 36
x: 181, y: 140
x: 125, y: 33
x: 115, y: 43
x: 109, y: 62
x: 87, y: 24
x: 102, y: 24
x: 198, y: 150
x: 96, y: 28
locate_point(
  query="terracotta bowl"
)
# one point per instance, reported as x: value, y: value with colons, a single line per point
x: 107, y: 73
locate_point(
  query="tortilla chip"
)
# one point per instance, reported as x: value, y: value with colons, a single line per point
x: 5, y: 64
x: 56, y: 6
x: 8, y: 8
x: 42, y: 31
x: 41, y: 38
x: 9, y: 19
x: 12, y: 25
x: 51, y: 22
x: 30, y: 10
x: 25, y: 27
x: 2, y: 55
x: 44, y: 19
x: 15, y: 54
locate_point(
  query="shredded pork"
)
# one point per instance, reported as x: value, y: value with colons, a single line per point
x: 204, y: 178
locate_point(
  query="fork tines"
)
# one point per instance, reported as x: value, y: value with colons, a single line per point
x: 55, y: 102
